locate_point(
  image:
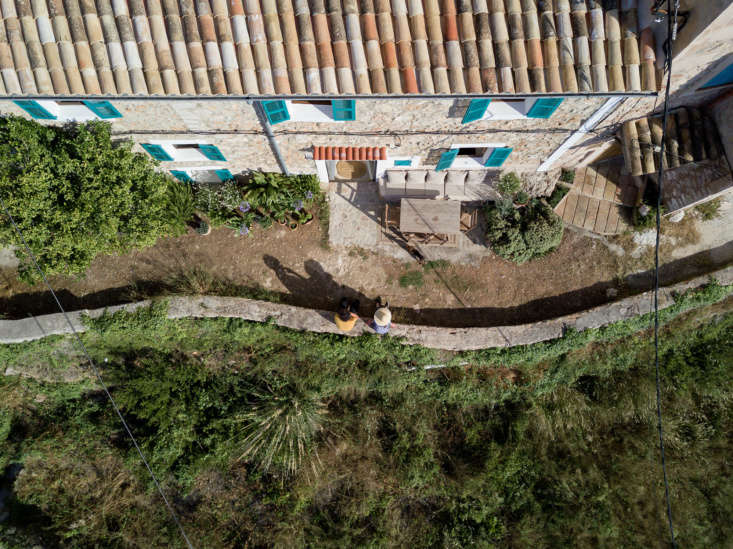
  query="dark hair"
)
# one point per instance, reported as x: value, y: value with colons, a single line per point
x: 343, y: 310
x: 354, y: 306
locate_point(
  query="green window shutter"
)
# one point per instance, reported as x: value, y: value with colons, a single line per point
x: 34, y: 109
x: 181, y: 176
x: 543, y: 108
x: 224, y: 175
x: 723, y: 78
x: 103, y: 109
x: 276, y: 111
x: 344, y: 109
x: 446, y: 159
x: 211, y: 152
x: 157, y: 152
x: 403, y: 162
x: 498, y: 156
x: 476, y: 110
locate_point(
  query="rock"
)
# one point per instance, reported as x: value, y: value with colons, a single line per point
x: 677, y: 216
x: 644, y: 210
x: 611, y: 292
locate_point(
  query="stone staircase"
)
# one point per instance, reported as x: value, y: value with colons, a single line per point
x: 601, y: 198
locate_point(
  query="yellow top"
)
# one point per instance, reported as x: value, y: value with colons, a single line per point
x: 345, y: 325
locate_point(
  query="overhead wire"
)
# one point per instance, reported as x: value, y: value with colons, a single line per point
x: 671, y: 33
x: 96, y: 373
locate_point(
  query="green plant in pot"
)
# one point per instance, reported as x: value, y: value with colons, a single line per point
x: 521, y: 198
x: 203, y: 228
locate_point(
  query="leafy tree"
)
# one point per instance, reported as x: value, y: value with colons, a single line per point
x: 524, y: 233
x: 75, y: 194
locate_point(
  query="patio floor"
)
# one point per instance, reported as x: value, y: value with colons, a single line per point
x: 356, y: 220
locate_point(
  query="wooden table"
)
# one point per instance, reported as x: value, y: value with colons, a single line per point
x: 419, y: 215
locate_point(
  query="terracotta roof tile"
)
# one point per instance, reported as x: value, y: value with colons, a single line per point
x: 323, y: 46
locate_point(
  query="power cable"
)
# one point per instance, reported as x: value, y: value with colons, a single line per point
x: 671, y: 33
x: 96, y: 373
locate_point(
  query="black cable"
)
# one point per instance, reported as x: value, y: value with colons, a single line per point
x: 660, y: 175
x: 96, y: 372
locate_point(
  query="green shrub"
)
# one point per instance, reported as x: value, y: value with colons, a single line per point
x: 509, y: 184
x: 521, y: 197
x: 180, y: 204
x: 74, y: 194
x: 436, y: 265
x: 557, y: 195
x: 648, y: 221
x: 525, y: 233
x: 280, y: 429
x: 567, y: 176
x: 412, y: 278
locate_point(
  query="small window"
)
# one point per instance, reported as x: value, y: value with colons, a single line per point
x: 311, y: 110
x: 157, y: 152
x: 723, y: 78
x: 471, y: 151
x: 474, y: 155
x: 403, y: 162
x: 188, y: 151
x: 206, y: 174
x: 510, y: 109
x: 69, y: 110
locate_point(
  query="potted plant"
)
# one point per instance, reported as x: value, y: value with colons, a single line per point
x: 509, y: 184
x: 203, y: 228
x: 521, y: 199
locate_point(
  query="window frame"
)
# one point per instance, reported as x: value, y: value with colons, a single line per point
x: 474, y: 162
x: 188, y: 154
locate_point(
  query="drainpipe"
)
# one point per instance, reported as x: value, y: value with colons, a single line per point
x: 270, y: 136
x: 596, y: 118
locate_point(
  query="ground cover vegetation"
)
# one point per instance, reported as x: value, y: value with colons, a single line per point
x: 75, y: 194
x: 270, y: 437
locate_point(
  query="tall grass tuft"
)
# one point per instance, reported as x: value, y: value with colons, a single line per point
x: 281, y: 430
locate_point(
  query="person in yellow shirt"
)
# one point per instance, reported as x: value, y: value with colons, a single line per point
x: 346, y: 315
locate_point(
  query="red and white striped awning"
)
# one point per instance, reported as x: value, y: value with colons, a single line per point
x: 349, y: 153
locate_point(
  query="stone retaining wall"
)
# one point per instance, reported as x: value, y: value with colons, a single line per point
x: 297, y: 318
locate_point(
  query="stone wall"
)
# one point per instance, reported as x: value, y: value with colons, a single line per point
x: 407, y: 127
x: 297, y: 318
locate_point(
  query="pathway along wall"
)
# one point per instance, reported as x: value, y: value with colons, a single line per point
x: 297, y: 318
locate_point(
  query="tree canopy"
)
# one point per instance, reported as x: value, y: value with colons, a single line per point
x: 75, y: 194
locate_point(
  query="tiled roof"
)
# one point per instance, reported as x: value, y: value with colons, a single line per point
x: 299, y: 47
x: 349, y: 153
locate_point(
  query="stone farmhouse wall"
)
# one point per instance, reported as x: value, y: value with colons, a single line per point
x: 407, y: 127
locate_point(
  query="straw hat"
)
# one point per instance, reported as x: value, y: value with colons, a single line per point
x: 383, y: 317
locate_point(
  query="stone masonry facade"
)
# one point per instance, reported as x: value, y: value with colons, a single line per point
x: 407, y: 127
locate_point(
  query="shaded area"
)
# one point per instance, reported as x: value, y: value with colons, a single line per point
x: 319, y: 290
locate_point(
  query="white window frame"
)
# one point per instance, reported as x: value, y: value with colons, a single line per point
x: 508, y: 109
x: 183, y: 155
x: 473, y: 162
x: 304, y: 112
x: 65, y: 112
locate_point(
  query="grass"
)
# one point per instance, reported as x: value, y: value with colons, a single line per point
x: 412, y: 278
x: 709, y: 210
x: 436, y: 265
x: 324, y: 215
x: 557, y: 195
x: 232, y: 415
x: 567, y: 176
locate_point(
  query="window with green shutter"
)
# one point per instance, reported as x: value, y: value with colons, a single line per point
x: 224, y: 175
x: 103, y: 109
x: 476, y: 110
x: 157, y: 152
x: 497, y: 157
x: 446, y: 160
x: 276, y: 111
x: 403, y: 162
x: 211, y: 152
x: 544, y: 107
x: 34, y: 109
x: 181, y: 176
x: 344, y: 109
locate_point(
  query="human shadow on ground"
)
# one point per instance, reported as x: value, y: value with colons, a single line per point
x: 317, y: 290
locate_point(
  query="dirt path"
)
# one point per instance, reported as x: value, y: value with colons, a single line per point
x: 582, y: 273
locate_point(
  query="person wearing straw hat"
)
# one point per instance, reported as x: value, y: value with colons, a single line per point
x: 382, y: 318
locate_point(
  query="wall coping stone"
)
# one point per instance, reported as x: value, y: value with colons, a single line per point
x: 298, y: 318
